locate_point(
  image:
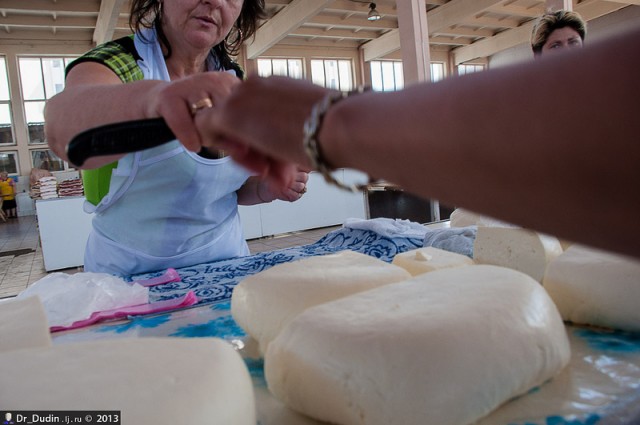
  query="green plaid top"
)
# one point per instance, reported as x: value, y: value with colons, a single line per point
x: 121, y: 57
x: 118, y: 55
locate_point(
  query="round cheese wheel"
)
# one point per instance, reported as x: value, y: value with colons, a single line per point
x: 446, y: 347
x: 150, y: 380
x: 264, y: 303
x: 521, y: 249
x: 594, y: 287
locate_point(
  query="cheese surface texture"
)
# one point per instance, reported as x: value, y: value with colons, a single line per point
x: 264, y: 303
x: 151, y: 380
x: 23, y: 324
x: 446, y: 347
x: 424, y: 260
x: 594, y: 287
x: 461, y: 217
x: 516, y: 248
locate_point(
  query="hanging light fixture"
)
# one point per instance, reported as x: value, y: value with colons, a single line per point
x: 373, y: 13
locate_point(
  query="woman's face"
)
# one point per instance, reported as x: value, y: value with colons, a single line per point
x: 562, y: 38
x: 200, y: 23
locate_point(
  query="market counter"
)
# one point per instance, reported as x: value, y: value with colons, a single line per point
x: 600, y: 386
x: 64, y: 228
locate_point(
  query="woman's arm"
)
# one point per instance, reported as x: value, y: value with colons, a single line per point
x: 94, y: 96
x: 551, y: 145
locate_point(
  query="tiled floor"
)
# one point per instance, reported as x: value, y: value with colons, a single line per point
x: 21, y: 261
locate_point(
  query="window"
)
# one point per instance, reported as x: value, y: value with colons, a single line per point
x: 9, y: 162
x: 332, y: 74
x: 45, y: 159
x: 286, y: 67
x: 6, y: 127
x: 437, y: 71
x: 469, y: 69
x: 41, y: 79
x: 388, y: 75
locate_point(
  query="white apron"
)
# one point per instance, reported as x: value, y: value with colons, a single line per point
x: 166, y: 207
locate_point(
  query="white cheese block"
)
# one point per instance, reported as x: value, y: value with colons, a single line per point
x: 23, y: 324
x: 565, y: 244
x: 152, y: 381
x: 264, y: 303
x: 516, y: 248
x: 445, y: 347
x: 594, y: 287
x: 461, y: 217
x: 428, y: 259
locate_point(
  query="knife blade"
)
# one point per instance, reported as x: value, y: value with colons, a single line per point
x: 118, y: 138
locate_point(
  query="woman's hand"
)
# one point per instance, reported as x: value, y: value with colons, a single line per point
x: 260, y: 125
x: 259, y: 190
x: 177, y: 101
x: 292, y: 192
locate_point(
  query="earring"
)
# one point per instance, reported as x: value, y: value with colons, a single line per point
x: 233, y: 46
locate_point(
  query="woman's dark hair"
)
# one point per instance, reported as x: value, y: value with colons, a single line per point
x: 148, y: 14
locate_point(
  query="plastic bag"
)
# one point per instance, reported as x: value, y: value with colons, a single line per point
x: 68, y: 298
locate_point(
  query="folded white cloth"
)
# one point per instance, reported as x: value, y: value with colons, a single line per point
x: 459, y: 239
x: 388, y: 227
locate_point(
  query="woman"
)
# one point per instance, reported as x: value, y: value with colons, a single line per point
x: 559, y: 30
x: 551, y: 145
x: 165, y: 206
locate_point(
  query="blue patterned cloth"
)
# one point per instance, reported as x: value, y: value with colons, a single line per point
x: 213, y: 282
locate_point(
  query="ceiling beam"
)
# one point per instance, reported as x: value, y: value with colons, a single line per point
x: 381, y: 46
x: 36, y: 36
x: 291, y: 17
x: 626, y: 2
x: 55, y: 6
x: 334, y: 33
x: 48, y: 21
x: 457, y: 11
x: 440, y: 18
x: 107, y: 20
x: 525, y: 12
x: 359, y: 22
x: 463, y: 32
x: 499, y: 42
x: 361, y: 7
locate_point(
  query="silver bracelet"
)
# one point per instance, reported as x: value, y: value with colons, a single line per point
x: 312, y: 127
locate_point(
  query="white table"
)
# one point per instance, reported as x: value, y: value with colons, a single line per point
x: 64, y: 228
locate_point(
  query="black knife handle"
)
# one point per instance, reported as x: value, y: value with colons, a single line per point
x: 118, y: 138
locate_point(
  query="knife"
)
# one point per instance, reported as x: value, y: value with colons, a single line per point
x: 123, y: 137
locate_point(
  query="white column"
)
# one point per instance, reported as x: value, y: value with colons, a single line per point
x: 416, y: 58
x: 414, y: 40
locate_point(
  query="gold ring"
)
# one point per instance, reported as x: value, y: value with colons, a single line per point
x: 205, y: 102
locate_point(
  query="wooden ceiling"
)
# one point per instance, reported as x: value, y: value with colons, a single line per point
x: 470, y: 29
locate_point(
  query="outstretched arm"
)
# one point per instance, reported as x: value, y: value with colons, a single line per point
x: 551, y: 144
